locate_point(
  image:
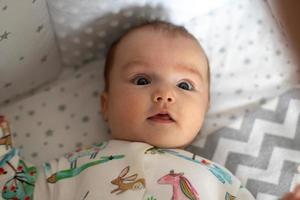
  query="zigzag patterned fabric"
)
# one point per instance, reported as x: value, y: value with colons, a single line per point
x: 265, y: 151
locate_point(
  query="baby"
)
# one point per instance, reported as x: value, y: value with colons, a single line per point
x: 157, y: 86
x: 155, y: 98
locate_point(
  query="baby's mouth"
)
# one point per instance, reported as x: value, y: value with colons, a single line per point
x: 161, y: 118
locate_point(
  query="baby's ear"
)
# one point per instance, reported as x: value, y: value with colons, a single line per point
x: 104, y: 105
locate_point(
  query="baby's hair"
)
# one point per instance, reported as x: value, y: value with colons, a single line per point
x: 162, y: 26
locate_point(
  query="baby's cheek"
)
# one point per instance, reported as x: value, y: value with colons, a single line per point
x: 128, y: 107
x: 197, y: 115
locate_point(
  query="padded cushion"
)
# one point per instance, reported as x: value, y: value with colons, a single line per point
x: 85, y: 29
x: 28, y: 53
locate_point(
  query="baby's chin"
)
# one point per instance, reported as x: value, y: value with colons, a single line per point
x: 168, y: 144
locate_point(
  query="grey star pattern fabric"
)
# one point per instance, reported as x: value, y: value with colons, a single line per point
x: 29, y: 56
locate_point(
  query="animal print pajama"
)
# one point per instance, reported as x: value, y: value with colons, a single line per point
x: 118, y: 169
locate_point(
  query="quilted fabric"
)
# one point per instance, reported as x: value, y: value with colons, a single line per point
x: 28, y: 53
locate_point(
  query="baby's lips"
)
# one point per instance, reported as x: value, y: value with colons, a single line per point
x: 163, y: 116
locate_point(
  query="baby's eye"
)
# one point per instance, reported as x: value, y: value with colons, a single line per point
x: 141, y: 81
x: 185, y: 85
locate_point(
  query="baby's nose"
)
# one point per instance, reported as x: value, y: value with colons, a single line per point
x: 159, y: 98
x: 164, y: 96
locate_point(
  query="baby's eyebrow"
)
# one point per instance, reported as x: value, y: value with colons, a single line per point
x: 130, y: 64
x: 188, y: 67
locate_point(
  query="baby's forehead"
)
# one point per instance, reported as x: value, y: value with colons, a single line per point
x: 147, y: 38
x: 145, y: 44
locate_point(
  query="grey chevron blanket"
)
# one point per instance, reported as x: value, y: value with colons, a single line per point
x: 265, y: 151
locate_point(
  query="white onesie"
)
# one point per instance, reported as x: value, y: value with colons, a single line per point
x: 118, y: 169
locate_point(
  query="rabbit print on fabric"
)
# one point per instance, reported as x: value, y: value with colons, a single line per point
x: 127, y: 183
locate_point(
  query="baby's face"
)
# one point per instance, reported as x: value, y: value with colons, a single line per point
x: 154, y: 73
